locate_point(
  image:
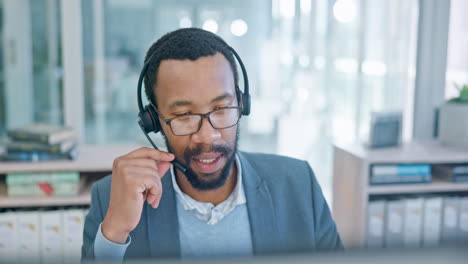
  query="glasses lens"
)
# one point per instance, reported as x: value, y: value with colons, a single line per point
x: 185, y: 125
x: 189, y: 124
x: 225, y: 117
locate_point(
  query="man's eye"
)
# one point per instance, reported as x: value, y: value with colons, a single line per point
x: 182, y: 114
x: 183, y: 118
x: 220, y: 107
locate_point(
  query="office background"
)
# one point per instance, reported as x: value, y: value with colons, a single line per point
x: 317, y: 68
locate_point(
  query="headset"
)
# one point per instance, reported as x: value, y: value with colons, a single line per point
x: 148, y: 119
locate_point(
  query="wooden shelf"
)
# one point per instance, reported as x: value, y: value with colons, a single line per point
x: 17, y: 202
x: 415, y: 152
x: 433, y: 187
x: 352, y: 192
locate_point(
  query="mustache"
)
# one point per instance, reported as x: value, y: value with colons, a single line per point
x: 201, y: 148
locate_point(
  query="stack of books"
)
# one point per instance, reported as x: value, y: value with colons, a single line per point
x: 43, y: 184
x: 38, y: 142
x: 452, y: 173
x: 400, y: 173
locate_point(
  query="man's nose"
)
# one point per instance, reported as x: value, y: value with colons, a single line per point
x: 207, y: 133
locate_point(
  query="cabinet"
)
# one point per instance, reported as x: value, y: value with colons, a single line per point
x: 352, y: 191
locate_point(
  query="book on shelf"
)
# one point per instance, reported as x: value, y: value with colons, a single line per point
x: 73, y: 223
x: 400, y: 173
x: 29, y: 236
x: 451, y: 172
x: 8, y: 237
x: 412, y: 228
x: 38, y: 155
x: 460, y: 178
x: 37, y: 177
x: 43, y: 190
x: 460, y: 169
x: 40, y: 142
x: 52, y: 237
x: 463, y: 221
x: 25, y: 146
x: 401, y: 169
x: 450, y: 220
x: 44, y: 184
x: 376, y: 224
x: 42, y: 133
x: 432, y: 221
x: 394, y: 224
x: 396, y: 179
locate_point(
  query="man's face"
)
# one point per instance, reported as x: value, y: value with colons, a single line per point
x: 193, y: 87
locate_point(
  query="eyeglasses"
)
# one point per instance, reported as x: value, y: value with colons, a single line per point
x: 190, y: 124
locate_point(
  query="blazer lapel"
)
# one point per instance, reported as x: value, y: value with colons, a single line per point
x: 260, y: 208
x: 163, y: 224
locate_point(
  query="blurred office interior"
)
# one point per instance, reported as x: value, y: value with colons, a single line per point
x: 317, y: 68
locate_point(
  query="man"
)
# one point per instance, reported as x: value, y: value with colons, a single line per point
x: 227, y: 203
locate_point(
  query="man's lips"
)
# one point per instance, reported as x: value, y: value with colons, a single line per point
x: 207, y: 156
x: 208, y: 162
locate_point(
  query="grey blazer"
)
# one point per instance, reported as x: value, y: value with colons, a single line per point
x: 286, y: 207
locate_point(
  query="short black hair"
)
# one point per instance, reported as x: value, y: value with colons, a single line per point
x: 182, y: 44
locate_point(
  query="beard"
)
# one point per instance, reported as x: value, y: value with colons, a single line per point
x: 207, y: 181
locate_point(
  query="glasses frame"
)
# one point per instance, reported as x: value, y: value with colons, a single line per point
x: 203, y: 116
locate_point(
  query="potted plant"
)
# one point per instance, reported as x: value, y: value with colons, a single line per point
x: 453, y: 120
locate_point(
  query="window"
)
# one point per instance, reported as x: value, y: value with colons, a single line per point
x: 30, y: 65
x: 362, y: 55
x: 316, y: 68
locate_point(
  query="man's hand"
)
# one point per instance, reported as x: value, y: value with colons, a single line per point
x: 136, y: 177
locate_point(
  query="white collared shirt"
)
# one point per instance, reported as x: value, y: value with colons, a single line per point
x: 207, y: 212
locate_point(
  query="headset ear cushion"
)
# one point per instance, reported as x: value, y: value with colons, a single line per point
x: 156, y: 126
x: 243, y: 99
x: 145, y: 121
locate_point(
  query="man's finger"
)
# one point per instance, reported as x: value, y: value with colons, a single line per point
x: 151, y: 153
x: 154, y: 193
x: 150, y: 198
x: 140, y: 162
